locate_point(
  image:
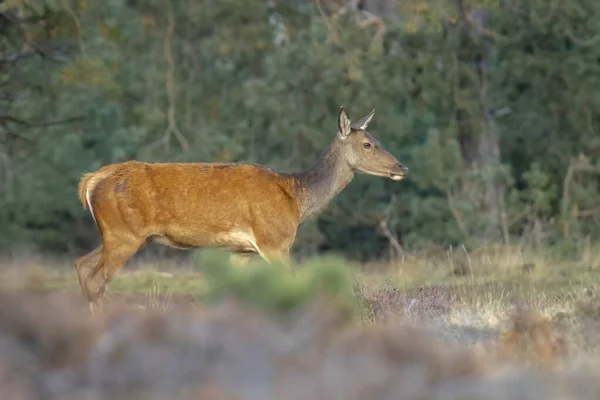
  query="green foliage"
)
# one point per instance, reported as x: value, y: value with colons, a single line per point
x: 536, y: 198
x: 279, y: 291
x: 263, y: 83
x: 440, y: 162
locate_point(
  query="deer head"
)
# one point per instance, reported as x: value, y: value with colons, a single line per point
x: 363, y: 152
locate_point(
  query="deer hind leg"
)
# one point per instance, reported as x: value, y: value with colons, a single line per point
x: 116, y: 251
x: 274, y: 246
x: 85, y: 264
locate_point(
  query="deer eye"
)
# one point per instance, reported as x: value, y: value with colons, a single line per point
x: 367, y: 145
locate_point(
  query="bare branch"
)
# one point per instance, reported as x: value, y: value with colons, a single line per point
x: 9, y: 118
x: 387, y: 232
x: 400, y: 252
x: 582, y: 42
x: 6, y: 164
x: 73, y: 15
x: 588, y: 213
x: 581, y: 164
x: 362, y: 17
x: 455, y: 213
x: 172, y: 128
x: 10, y: 58
x: 476, y: 29
x: 332, y: 32
x: 53, y: 54
x: 56, y: 55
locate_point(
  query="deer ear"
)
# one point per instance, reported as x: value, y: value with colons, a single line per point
x: 344, y: 127
x: 363, y: 123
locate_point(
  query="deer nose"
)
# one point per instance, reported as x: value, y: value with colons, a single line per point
x: 403, y: 167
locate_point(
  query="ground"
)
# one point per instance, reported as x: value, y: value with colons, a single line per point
x: 502, y: 309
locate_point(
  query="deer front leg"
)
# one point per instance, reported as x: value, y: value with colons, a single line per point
x: 281, y: 256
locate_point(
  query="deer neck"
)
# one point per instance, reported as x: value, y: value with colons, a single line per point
x: 322, y: 182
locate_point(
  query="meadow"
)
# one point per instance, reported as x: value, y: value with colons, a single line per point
x: 493, y: 323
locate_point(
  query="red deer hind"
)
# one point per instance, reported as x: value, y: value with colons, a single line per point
x: 245, y: 208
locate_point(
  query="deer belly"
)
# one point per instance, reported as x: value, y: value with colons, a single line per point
x: 237, y: 240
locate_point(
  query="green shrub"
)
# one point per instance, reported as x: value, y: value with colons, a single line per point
x: 277, y: 290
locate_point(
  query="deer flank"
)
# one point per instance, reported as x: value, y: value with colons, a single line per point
x: 244, y: 208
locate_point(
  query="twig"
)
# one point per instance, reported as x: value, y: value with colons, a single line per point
x: 9, y: 118
x: 588, y: 213
x: 34, y: 49
x: 455, y: 213
x: 371, y: 19
x: 13, y: 136
x: 504, y: 221
x: 330, y: 28
x: 581, y: 165
x: 10, y: 58
x: 172, y: 128
x: 473, y: 28
x: 77, y: 25
x: 392, y: 239
x: 387, y: 232
x: 582, y: 42
x: 8, y: 175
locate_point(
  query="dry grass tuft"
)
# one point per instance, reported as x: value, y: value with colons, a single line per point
x: 531, y: 340
x: 589, y: 303
x: 388, y: 301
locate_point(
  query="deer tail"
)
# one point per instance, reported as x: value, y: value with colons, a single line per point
x: 83, y: 188
x: 88, y: 184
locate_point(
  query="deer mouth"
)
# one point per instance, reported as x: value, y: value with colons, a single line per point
x: 398, y: 173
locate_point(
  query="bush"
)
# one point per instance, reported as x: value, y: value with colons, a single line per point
x: 279, y: 291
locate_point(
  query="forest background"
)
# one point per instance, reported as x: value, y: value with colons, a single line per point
x: 493, y: 105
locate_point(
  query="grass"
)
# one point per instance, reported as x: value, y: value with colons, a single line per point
x: 500, y: 273
x: 503, y: 273
x: 479, y: 288
x: 129, y: 283
x: 474, y: 290
x: 506, y: 312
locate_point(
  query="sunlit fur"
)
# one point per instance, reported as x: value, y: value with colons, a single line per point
x: 245, y: 208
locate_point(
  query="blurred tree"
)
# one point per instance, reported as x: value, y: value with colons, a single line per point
x: 492, y: 105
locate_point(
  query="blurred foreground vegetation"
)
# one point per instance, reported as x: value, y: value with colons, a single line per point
x: 52, y: 348
x: 494, y: 110
x: 512, y: 324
